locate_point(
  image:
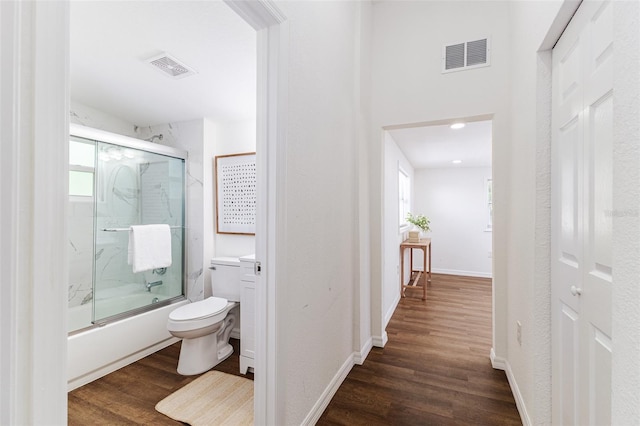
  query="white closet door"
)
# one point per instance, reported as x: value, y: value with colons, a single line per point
x: 582, y: 218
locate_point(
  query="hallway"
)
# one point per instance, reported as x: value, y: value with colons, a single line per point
x: 435, y: 368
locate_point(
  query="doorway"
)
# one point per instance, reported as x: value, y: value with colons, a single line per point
x: 266, y: 20
x: 450, y: 179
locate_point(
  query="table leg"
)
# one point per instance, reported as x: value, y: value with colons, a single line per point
x: 429, y: 262
x: 424, y: 266
x: 401, y: 271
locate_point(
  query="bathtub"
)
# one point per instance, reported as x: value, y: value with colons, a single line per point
x: 99, y: 351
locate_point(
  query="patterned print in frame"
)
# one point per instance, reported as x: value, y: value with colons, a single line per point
x: 236, y: 193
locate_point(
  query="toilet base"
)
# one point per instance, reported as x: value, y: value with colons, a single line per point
x: 197, y: 355
x: 225, y: 352
x: 201, y: 354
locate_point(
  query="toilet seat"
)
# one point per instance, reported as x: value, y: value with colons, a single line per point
x: 199, y: 310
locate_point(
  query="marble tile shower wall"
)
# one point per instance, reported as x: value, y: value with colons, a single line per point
x: 187, y: 136
x: 80, y: 250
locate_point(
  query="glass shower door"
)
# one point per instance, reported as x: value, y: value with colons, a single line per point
x: 135, y: 187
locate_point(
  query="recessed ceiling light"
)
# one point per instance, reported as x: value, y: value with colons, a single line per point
x: 457, y: 161
x: 456, y: 126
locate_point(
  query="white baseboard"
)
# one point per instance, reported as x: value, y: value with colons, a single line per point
x: 502, y: 364
x: 463, y: 273
x: 324, y: 400
x: 359, y: 357
x: 497, y: 363
x: 380, y: 341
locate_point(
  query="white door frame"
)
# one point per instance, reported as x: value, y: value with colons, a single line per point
x: 272, y: 30
x: 34, y: 128
x: 34, y: 59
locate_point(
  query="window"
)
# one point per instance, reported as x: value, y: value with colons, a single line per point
x: 404, y: 195
x: 81, y: 168
x: 489, y: 193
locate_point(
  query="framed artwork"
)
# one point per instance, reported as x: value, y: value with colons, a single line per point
x: 236, y: 193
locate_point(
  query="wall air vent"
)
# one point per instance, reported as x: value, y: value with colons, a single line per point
x: 170, y: 66
x: 466, y: 55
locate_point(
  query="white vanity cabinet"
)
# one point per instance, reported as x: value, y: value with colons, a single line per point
x: 247, y: 313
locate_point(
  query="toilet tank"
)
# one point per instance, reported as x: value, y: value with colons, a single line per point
x: 225, y: 278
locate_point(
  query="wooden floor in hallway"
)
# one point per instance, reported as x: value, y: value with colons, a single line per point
x: 435, y: 368
x: 129, y: 395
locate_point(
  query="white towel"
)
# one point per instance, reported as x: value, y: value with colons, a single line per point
x: 149, y: 247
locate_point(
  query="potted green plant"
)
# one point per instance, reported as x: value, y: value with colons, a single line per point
x: 420, y: 225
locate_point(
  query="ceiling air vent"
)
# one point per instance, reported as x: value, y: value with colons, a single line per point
x: 170, y: 66
x: 467, y: 55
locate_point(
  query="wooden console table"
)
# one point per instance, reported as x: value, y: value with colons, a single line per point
x: 425, y: 246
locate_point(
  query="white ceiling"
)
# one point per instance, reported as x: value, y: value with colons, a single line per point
x: 437, y: 146
x: 110, y: 41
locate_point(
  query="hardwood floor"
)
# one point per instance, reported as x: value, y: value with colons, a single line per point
x: 129, y: 396
x: 435, y: 368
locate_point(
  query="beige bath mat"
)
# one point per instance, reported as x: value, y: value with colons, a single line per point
x: 215, y: 398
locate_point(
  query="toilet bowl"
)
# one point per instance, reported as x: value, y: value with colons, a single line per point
x: 205, y: 326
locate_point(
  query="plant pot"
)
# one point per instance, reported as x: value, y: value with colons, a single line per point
x: 414, y: 236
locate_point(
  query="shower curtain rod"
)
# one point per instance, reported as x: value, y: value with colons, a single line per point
x: 126, y: 229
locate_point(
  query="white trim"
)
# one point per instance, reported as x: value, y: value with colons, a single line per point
x: 522, y: 408
x: 463, y: 273
x: 380, y: 341
x: 406, y: 204
x: 328, y: 393
x: 49, y: 261
x: 272, y: 47
x: 500, y: 363
x: 497, y: 363
x: 34, y: 59
x: 259, y: 14
x: 360, y: 357
x: 12, y: 345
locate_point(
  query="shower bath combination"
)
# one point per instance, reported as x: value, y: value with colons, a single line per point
x: 116, y: 182
x: 115, y: 316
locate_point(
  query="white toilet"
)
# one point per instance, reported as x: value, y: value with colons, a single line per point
x: 205, y: 326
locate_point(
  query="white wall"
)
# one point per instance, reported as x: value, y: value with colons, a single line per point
x: 455, y: 199
x: 529, y: 214
x: 408, y: 87
x: 393, y: 159
x: 230, y: 138
x: 315, y: 291
x: 625, y: 380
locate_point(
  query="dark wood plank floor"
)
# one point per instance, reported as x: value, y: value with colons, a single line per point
x: 435, y: 368
x: 129, y: 396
